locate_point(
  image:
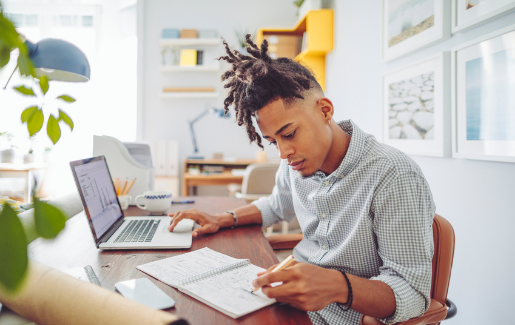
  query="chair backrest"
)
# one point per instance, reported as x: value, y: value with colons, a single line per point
x: 443, y: 237
x: 259, y: 178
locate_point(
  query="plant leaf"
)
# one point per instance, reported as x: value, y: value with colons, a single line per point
x: 66, y: 119
x: 66, y: 98
x: 43, y: 84
x: 53, y: 129
x: 25, y: 63
x: 5, y: 56
x: 35, y: 122
x: 49, y: 219
x: 27, y: 113
x: 24, y: 90
x: 13, y: 250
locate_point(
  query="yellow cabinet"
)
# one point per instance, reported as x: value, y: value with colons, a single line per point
x: 315, y: 39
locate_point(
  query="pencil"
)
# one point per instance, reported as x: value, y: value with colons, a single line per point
x: 129, y: 187
x: 116, y: 187
x: 284, y: 264
x: 124, y: 186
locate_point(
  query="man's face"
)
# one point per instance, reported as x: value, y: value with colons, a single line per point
x: 299, y: 131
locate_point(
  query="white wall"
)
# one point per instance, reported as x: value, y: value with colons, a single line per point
x: 167, y: 118
x: 477, y: 197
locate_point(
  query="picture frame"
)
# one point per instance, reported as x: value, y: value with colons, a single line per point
x: 416, y: 110
x: 467, y: 14
x: 483, y: 113
x: 408, y: 25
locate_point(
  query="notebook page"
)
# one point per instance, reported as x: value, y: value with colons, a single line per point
x: 174, y: 269
x: 229, y: 291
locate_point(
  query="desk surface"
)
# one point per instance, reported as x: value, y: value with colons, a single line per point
x: 75, y: 247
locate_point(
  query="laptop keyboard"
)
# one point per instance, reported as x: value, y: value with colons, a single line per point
x: 138, y: 231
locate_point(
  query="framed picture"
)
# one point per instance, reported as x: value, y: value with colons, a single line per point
x: 469, y: 13
x: 409, y: 25
x: 483, y: 87
x: 416, y: 113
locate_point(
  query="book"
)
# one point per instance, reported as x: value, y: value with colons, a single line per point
x: 220, y: 281
x: 188, y: 57
x: 188, y: 89
x: 85, y: 273
x: 200, y: 57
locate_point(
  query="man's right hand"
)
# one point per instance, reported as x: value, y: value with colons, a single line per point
x: 209, y: 223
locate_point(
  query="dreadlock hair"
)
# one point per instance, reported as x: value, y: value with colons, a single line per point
x: 256, y: 79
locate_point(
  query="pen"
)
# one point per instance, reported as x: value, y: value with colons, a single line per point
x: 183, y: 202
x: 284, y: 264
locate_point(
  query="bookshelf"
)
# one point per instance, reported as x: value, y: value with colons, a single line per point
x: 208, y: 46
x: 317, y: 28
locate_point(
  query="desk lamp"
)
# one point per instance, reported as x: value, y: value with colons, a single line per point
x: 58, y: 60
x: 218, y: 112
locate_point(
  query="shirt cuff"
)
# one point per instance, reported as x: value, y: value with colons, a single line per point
x: 408, y: 302
x: 267, y: 214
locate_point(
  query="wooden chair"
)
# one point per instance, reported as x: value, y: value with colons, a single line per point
x: 440, y: 307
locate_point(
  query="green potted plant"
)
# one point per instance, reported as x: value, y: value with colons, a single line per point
x: 29, y: 157
x: 9, y: 153
x: 48, y: 219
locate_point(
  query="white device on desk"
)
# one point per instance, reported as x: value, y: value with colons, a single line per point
x: 105, y: 216
x: 142, y: 290
x: 128, y: 160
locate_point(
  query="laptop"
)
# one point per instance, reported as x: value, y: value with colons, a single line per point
x: 110, y: 229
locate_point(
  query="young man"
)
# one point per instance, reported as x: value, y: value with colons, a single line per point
x: 365, y: 208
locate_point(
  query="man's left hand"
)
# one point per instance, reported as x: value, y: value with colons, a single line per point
x: 305, y: 286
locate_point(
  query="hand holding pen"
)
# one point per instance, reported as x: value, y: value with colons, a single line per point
x: 284, y: 264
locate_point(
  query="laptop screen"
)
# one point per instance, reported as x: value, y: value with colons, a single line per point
x: 98, y: 194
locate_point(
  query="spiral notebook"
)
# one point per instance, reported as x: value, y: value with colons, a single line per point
x: 218, y: 280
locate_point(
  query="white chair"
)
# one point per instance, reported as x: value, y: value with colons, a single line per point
x: 124, y: 165
x: 259, y: 181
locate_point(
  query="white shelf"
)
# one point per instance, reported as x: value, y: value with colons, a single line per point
x: 188, y: 41
x: 178, y: 68
x: 189, y: 95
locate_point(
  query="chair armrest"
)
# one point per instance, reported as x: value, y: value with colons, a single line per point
x: 284, y: 241
x: 452, y: 310
x: 436, y: 313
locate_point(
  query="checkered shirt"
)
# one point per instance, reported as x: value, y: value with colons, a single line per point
x: 372, y: 217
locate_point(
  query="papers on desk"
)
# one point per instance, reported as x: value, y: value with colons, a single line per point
x: 218, y: 280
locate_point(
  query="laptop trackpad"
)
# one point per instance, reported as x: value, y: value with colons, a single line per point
x: 185, y: 225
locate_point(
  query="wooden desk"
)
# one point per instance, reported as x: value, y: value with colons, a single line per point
x: 75, y: 247
x: 24, y: 171
x: 224, y: 178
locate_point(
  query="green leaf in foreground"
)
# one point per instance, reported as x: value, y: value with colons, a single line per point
x: 66, y: 98
x: 13, y: 250
x: 53, y: 129
x: 43, y: 84
x: 66, y: 119
x: 35, y: 122
x: 24, y: 90
x: 49, y: 219
x: 27, y: 113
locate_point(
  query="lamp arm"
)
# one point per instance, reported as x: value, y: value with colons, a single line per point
x: 193, y: 139
x: 192, y: 131
x: 5, y: 87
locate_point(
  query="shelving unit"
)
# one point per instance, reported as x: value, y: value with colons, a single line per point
x: 200, y: 68
x: 319, y: 26
x: 188, y: 41
x: 189, y: 95
x: 197, y: 43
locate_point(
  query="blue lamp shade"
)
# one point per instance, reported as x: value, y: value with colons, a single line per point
x: 59, y: 60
